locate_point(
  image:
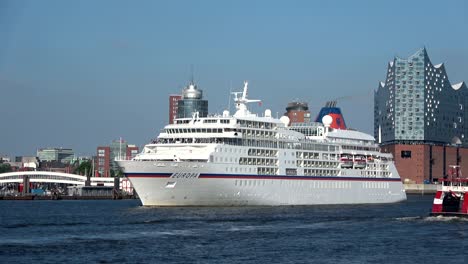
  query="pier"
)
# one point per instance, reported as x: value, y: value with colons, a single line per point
x: 413, y: 188
x: 46, y: 185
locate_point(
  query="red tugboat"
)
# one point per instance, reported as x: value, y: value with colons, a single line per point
x: 452, y: 198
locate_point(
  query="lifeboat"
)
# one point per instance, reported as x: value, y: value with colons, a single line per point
x: 346, y: 161
x: 360, y: 162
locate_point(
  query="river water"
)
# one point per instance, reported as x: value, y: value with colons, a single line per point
x: 125, y: 232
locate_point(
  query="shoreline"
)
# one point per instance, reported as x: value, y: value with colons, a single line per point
x: 65, y: 197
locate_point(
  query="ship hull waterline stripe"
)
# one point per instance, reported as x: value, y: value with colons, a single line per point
x: 264, y: 177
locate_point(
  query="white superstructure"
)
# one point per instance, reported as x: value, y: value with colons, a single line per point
x: 246, y: 159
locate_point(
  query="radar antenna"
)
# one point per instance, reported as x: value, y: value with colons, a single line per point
x: 191, y: 74
x: 246, y: 88
x: 241, y: 102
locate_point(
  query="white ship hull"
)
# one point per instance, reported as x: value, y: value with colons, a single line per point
x: 246, y: 159
x: 181, y: 184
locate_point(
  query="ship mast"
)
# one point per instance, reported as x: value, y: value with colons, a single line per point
x: 241, y: 102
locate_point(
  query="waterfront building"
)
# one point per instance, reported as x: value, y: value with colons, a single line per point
x: 55, y: 154
x: 192, y: 102
x: 173, y: 106
x: 4, y: 159
x: 298, y: 112
x: 25, y: 162
x: 56, y: 166
x: 105, y: 163
x: 426, y: 163
x: 421, y: 117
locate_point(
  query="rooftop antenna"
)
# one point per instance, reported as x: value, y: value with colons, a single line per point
x: 241, y: 101
x: 230, y: 94
x: 245, y: 92
x: 191, y: 73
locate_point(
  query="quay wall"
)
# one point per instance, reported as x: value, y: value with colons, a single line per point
x: 413, y: 188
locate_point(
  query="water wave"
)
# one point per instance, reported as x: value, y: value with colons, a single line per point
x: 441, y: 218
x: 23, y: 225
x: 409, y: 218
x: 63, y: 239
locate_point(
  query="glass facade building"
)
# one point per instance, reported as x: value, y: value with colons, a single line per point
x: 106, y: 165
x: 55, y: 154
x: 118, y: 149
x: 418, y: 104
x: 192, y: 102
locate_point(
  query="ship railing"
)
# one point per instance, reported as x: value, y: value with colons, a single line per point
x: 123, y: 158
x: 455, y: 182
x: 455, y: 188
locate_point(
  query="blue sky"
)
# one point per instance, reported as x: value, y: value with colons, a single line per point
x: 78, y: 74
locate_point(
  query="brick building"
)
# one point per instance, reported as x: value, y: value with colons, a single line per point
x: 173, y: 106
x: 105, y: 164
x: 420, y: 163
x: 298, y: 112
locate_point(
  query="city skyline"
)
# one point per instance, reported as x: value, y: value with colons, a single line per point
x: 80, y: 74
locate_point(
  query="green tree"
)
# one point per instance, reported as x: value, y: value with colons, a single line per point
x: 84, y: 167
x: 117, y: 173
x: 5, y: 167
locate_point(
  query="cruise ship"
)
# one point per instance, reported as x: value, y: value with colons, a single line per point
x: 247, y: 159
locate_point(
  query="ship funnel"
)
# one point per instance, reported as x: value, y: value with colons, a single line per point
x: 334, y: 112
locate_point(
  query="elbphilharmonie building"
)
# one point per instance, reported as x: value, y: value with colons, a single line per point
x: 417, y: 102
x: 420, y: 116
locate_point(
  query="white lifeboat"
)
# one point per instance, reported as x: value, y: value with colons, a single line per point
x: 346, y: 161
x: 360, y: 162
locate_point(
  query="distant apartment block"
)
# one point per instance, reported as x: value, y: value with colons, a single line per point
x: 105, y: 163
x: 173, y: 106
x: 63, y: 155
x: 4, y: 159
x: 26, y: 162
